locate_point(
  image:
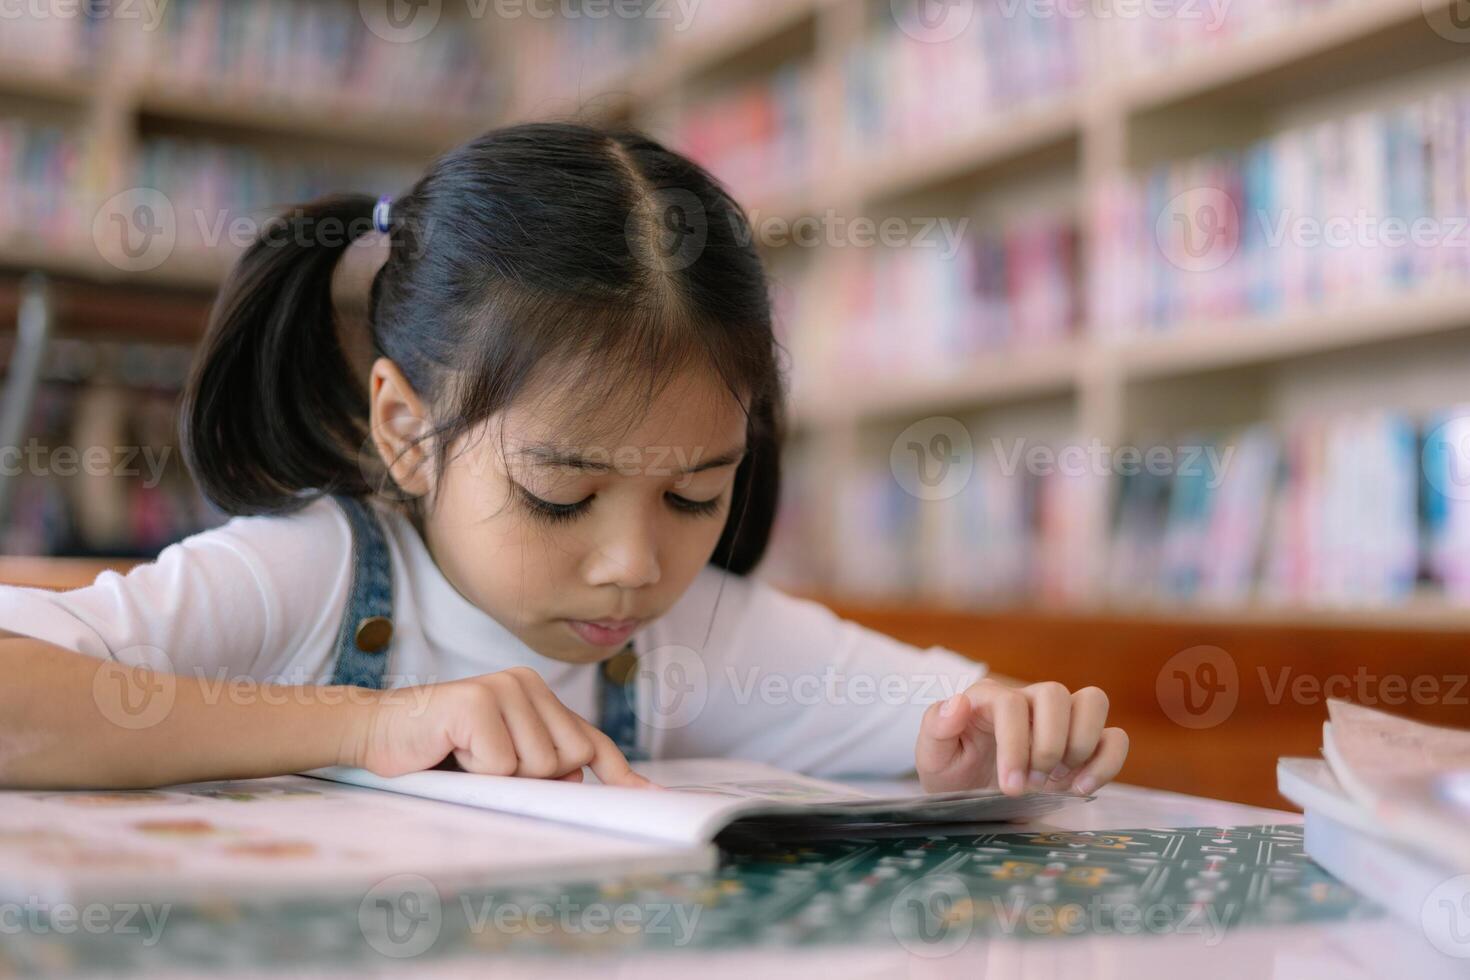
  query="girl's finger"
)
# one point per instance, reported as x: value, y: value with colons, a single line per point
x: 939, y: 733
x: 1051, y: 711
x: 1006, y: 713
x: 1089, y: 715
x: 610, y: 765
x: 534, y: 747
x: 489, y: 749
x: 573, y: 747
x: 1112, y: 750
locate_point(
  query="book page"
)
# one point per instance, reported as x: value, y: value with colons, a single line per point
x: 676, y: 818
x: 701, y: 797
x: 286, y: 834
x: 1403, y: 773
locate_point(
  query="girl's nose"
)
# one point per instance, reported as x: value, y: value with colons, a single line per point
x: 626, y: 557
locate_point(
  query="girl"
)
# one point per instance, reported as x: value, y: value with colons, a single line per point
x: 502, y: 454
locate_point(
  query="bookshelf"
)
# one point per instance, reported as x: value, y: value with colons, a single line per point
x: 284, y: 99
x: 1137, y: 105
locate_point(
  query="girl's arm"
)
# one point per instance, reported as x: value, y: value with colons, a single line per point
x: 68, y: 720
x: 71, y: 720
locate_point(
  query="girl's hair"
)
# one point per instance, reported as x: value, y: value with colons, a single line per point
x: 600, y: 261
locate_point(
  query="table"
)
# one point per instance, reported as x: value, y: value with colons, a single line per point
x: 1355, y: 940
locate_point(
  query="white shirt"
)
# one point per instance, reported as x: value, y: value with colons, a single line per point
x: 734, y: 669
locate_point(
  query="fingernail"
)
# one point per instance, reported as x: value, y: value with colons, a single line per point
x: 1084, y: 785
x: 951, y: 706
x: 1036, y: 780
x: 1014, y: 781
x: 1060, y: 774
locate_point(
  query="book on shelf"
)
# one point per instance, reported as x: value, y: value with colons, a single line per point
x: 1371, y: 205
x: 946, y: 300
x: 322, y: 832
x: 902, y: 79
x: 315, y: 54
x: 1325, y: 513
x: 756, y: 137
x: 99, y: 472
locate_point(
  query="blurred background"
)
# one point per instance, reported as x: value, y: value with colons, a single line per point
x: 1129, y: 339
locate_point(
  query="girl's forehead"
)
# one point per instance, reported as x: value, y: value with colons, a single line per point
x: 700, y: 426
x: 692, y: 406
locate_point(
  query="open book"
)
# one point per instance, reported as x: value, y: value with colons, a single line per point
x: 294, y: 836
x: 703, y: 797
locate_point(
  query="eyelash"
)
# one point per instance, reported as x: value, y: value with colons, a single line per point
x: 554, y: 513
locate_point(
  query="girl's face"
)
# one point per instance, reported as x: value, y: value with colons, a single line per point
x: 551, y: 537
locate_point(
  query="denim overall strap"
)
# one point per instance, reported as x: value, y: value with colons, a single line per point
x: 367, y: 623
x: 617, y: 693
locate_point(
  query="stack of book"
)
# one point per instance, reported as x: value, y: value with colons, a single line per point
x: 315, y: 53
x: 1388, y: 812
x: 223, y: 193
x: 1170, y: 31
x: 100, y: 471
x: 1007, y: 533
x: 1335, y: 511
x: 38, y: 36
x: 1350, y: 209
x: 755, y: 137
x: 945, y: 298
x: 47, y: 194
x: 573, y: 58
x: 910, y: 80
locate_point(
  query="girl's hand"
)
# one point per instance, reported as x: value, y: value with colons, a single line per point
x: 502, y: 724
x: 1039, y: 737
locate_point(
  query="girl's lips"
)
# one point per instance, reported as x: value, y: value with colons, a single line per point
x: 604, y: 632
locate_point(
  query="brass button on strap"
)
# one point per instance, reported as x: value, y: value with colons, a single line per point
x: 373, y: 633
x: 620, y: 666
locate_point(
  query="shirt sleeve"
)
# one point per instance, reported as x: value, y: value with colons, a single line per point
x: 740, y: 669
x: 248, y: 598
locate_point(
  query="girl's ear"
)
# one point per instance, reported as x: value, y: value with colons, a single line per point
x: 399, y: 426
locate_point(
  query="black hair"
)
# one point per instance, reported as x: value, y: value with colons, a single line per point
x: 600, y: 255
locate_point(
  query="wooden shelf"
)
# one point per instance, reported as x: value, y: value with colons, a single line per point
x: 1282, y: 677
x: 1255, y: 340
x: 1322, y: 48
x: 1420, y: 614
x: 46, y: 84
x: 1016, y: 138
x: 671, y: 63
x: 135, y: 311
x: 400, y: 130
x: 1005, y: 376
x: 181, y: 270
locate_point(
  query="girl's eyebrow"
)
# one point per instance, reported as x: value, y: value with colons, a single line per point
x: 545, y: 454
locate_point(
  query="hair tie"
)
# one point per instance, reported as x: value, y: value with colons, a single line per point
x: 382, y: 213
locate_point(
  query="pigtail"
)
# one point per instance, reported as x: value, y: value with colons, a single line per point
x: 272, y: 414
